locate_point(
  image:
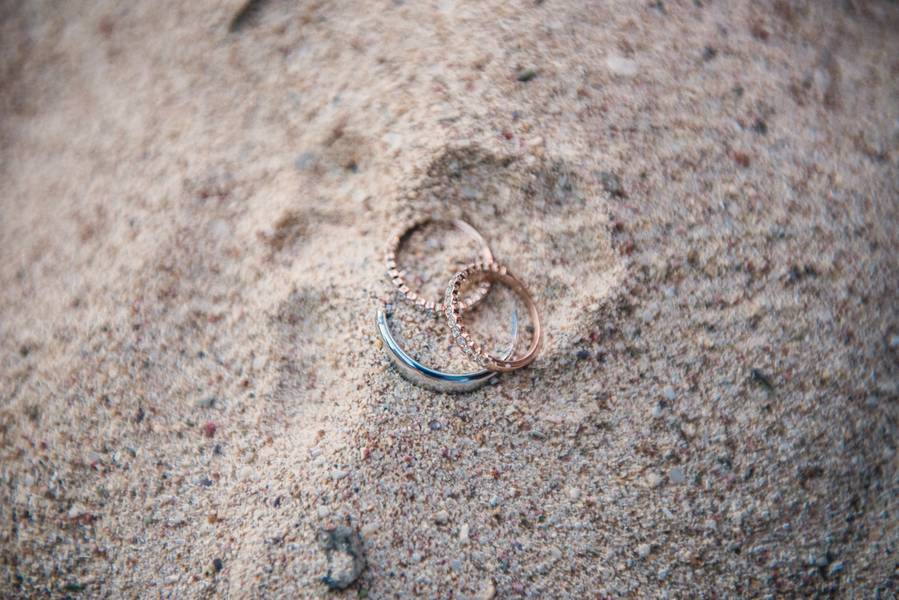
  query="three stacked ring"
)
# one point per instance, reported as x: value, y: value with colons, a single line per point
x: 453, y: 306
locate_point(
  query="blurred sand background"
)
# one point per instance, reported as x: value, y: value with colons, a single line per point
x: 193, y: 210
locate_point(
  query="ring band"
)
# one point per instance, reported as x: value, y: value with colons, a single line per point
x: 432, y: 379
x: 396, y: 276
x: 453, y: 310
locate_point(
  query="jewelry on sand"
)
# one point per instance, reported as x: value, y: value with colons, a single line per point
x: 489, y: 271
x: 399, y: 280
x: 432, y: 379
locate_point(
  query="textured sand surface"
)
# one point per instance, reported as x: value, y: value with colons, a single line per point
x: 703, y: 197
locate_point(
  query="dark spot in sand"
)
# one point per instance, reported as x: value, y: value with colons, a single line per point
x: 526, y: 75
x: 346, y: 558
x: 247, y: 15
x: 762, y: 379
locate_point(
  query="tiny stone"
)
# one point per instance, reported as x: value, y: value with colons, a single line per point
x: 653, y: 480
x: 669, y: 394
x: 583, y: 354
x: 345, y: 556
x: 323, y: 511
x: 643, y: 550
x: 574, y: 493
x: 463, y: 533
x: 487, y: 591
x: 611, y: 183
x: 836, y: 568
x: 677, y: 475
x: 621, y: 66
x: 441, y: 518
x: 206, y: 402
x: 526, y: 75
x: 658, y: 410
x: 217, y: 564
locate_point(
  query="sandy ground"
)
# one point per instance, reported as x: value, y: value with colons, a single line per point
x: 193, y: 211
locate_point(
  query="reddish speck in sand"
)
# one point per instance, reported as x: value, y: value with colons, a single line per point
x: 209, y: 429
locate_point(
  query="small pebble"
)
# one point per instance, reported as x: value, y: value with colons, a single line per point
x: 623, y: 67
x: 836, y: 568
x: 643, y: 550
x: 574, y: 493
x: 209, y: 429
x: 345, y: 556
x: 677, y: 475
x: 217, y: 564
x: 338, y: 474
x: 441, y: 517
x: 463, y: 533
x: 611, y: 184
x: 487, y: 591
x: 669, y: 394
x: 526, y: 75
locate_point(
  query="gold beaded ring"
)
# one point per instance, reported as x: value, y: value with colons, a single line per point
x: 452, y: 307
x: 398, y: 277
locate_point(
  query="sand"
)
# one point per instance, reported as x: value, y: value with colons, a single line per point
x: 193, y: 211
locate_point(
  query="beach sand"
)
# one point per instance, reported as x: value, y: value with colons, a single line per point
x: 194, y: 205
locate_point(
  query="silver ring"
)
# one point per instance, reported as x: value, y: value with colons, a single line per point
x: 429, y: 378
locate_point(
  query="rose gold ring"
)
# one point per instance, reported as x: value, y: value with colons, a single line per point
x: 398, y: 276
x: 489, y: 272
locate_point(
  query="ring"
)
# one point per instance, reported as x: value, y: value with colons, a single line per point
x: 400, y: 282
x: 453, y: 310
x: 432, y: 379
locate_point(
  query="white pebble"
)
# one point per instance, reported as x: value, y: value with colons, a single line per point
x: 643, y: 550
x: 621, y: 66
x: 463, y: 533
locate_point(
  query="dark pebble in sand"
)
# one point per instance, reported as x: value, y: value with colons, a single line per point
x: 346, y: 559
x: 762, y: 379
x: 217, y: 565
x: 611, y: 183
x: 526, y: 75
